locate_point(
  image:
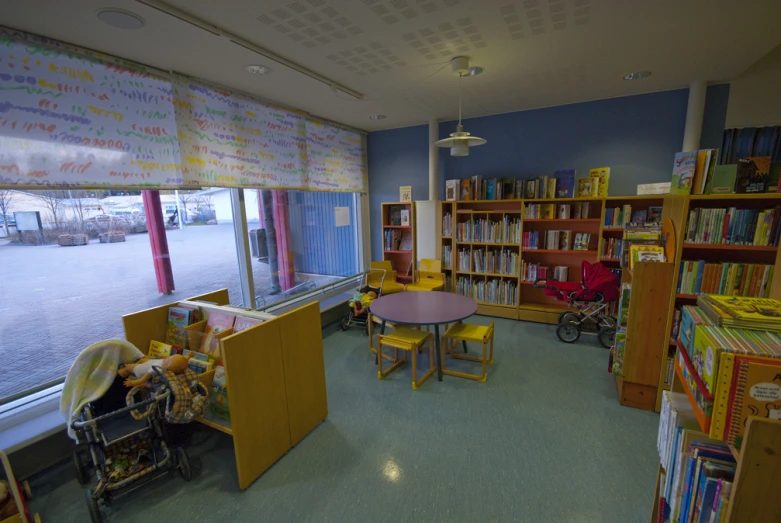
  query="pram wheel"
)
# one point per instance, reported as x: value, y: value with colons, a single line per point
x: 607, y: 337
x: 82, y: 475
x: 346, y: 322
x: 568, y: 332
x: 569, y: 317
x: 92, y: 506
x: 607, y: 321
x: 183, y: 464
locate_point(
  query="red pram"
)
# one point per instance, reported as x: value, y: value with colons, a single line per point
x: 590, y: 299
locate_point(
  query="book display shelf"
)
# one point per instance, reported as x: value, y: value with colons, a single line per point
x: 398, y: 238
x: 274, y: 373
x: 692, y: 248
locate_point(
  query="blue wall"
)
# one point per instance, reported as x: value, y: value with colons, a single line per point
x: 636, y: 136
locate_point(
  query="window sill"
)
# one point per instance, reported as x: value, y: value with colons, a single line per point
x: 29, y: 420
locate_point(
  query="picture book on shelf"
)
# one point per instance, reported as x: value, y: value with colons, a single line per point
x: 490, y: 189
x: 564, y: 237
x: 406, y: 241
x: 757, y: 393
x: 683, y: 172
x: 243, y: 323
x: 199, y: 366
x: 752, y: 175
x: 585, y: 188
x: 723, y: 181
x: 654, y: 214
x: 645, y: 253
x: 178, y: 319
x: 218, y: 399
x: 582, y: 240
x: 531, y: 189
x: 466, y: 189
x: 217, y: 323
x: 603, y: 175
x: 405, y: 193
x: 159, y: 350
x: 565, y: 183
x: 405, y: 217
x: 451, y: 190
x: 550, y: 188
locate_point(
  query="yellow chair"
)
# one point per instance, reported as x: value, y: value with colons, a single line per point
x: 429, y: 277
x: 474, y: 333
x: 408, y: 340
x: 390, y: 285
x: 375, y: 324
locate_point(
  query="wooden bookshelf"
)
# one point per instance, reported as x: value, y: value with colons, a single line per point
x: 404, y: 261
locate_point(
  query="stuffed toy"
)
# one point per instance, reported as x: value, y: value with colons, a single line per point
x: 361, y: 300
x: 8, y: 506
x: 142, y: 370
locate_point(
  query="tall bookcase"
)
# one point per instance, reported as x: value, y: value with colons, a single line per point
x: 403, y: 259
x: 677, y: 209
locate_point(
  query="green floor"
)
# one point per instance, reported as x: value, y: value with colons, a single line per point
x: 543, y: 440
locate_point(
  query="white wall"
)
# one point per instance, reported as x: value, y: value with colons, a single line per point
x: 222, y: 205
x: 755, y: 95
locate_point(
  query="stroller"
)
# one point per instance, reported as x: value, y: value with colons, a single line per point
x: 371, y: 281
x: 126, y: 440
x: 590, y: 299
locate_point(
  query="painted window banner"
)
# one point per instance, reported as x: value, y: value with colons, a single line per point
x: 229, y: 140
x: 71, y: 119
x: 335, y: 160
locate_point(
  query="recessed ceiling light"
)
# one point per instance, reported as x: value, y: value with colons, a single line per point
x: 377, y: 117
x: 474, y: 71
x: 258, y: 69
x: 120, y: 19
x: 639, y: 75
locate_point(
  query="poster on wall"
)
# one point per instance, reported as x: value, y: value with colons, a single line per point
x: 73, y: 119
x: 229, y: 140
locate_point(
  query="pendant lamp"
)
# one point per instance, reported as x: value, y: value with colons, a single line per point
x: 460, y: 141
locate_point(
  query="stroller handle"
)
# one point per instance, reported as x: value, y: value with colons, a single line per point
x: 76, y: 424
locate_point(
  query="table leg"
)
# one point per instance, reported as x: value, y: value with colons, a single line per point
x: 382, y: 331
x: 439, y: 359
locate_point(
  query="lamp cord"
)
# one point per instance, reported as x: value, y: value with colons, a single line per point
x: 460, y: 78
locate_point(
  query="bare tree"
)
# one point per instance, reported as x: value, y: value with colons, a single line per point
x: 77, y: 204
x: 52, y: 201
x: 206, y: 206
x: 186, y: 197
x: 6, y: 196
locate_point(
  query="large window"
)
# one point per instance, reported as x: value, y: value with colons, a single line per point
x: 57, y: 300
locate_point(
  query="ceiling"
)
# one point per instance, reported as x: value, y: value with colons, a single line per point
x: 536, y: 53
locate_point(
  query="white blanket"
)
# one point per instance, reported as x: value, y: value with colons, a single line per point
x: 92, y: 374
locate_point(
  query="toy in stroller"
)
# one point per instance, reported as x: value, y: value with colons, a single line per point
x: 370, y: 288
x: 589, y: 299
x: 126, y: 443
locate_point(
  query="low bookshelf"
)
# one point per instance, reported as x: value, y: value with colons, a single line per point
x: 398, y: 238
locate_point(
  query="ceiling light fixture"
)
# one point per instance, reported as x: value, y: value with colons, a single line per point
x: 258, y: 69
x: 120, y: 19
x: 639, y: 75
x: 460, y: 141
x: 377, y: 117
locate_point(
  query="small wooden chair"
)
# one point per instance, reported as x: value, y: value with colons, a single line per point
x: 375, y: 323
x: 429, y: 277
x: 390, y: 285
x: 464, y: 332
x: 407, y: 340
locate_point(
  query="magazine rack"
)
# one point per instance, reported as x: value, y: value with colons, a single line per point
x: 275, y: 377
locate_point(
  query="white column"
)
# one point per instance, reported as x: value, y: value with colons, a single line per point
x: 694, y: 113
x: 433, y: 160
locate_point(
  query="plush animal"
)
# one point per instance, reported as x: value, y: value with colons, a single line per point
x: 8, y: 506
x: 142, y: 369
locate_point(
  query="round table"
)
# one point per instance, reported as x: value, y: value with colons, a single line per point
x: 423, y: 308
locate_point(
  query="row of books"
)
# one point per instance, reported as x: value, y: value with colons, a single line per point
x: 693, y: 171
x: 561, y: 211
x: 696, y: 172
x: 612, y: 248
x: 535, y: 271
x: 397, y: 240
x: 447, y: 257
x: 560, y: 185
x: 620, y: 216
x: 746, y: 313
x: 506, y: 230
x: 697, y: 472
x: 733, y: 226
x: 488, y: 260
x: 669, y: 371
x: 618, y: 351
x: 496, y: 291
x: 734, y: 279
x: 447, y: 225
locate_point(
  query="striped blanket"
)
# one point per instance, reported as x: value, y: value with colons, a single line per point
x: 92, y: 374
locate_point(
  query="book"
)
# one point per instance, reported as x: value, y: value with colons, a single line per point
x: 700, y: 168
x: 564, y: 240
x: 243, y: 323
x: 752, y: 175
x: 565, y: 183
x: 406, y: 241
x: 582, y: 240
x: 645, y: 253
x: 405, y: 217
x: 199, y: 366
x: 603, y: 175
x: 451, y: 190
x: 550, y: 188
x: 178, y: 319
x: 218, y: 399
x: 159, y: 350
x: 195, y: 312
x: 724, y: 179
x: 405, y: 194
x: 757, y: 393
x: 654, y: 215
x: 217, y: 323
x: 563, y: 211
x: 683, y: 172
x: 747, y: 310
x: 584, y: 188
x: 490, y: 189
x: 639, y: 217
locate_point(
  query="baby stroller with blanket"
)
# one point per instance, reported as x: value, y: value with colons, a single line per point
x: 371, y: 281
x: 589, y: 299
x: 126, y: 438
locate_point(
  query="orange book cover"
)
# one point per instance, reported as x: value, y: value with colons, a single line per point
x: 466, y: 191
x: 756, y: 392
x: 217, y: 323
x: 699, y: 171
